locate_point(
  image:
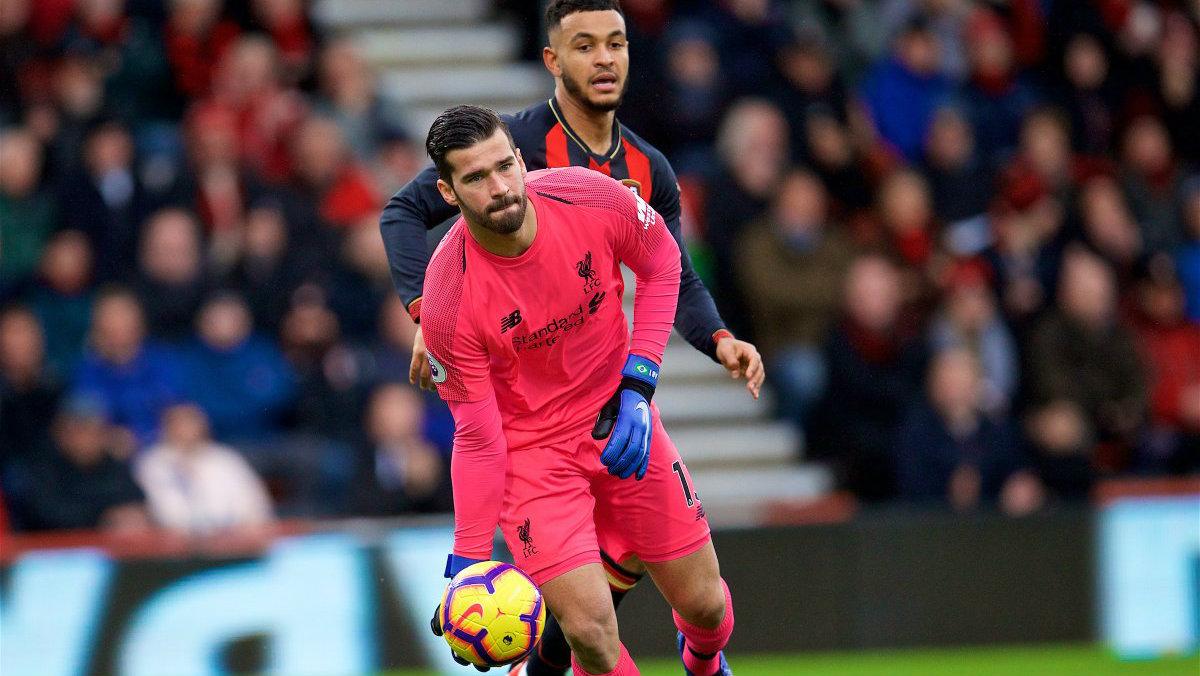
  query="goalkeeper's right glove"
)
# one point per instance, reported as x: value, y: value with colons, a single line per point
x: 626, y: 420
x: 454, y: 565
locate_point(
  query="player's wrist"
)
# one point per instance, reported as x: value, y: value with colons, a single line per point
x: 414, y: 310
x: 721, y: 334
x: 455, y: 564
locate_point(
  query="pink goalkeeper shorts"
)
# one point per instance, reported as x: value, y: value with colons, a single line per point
x: 562, y: 508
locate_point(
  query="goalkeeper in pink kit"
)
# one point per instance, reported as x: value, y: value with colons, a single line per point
x: 557, y: 440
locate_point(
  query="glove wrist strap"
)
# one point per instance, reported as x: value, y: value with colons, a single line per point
x: 455, y: 564
x: 642, y: 369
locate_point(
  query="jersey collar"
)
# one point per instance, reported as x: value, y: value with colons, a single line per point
x: 614, y: 144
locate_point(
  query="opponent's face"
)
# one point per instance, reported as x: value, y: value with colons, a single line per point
x: 488, y: 184
x: 589, y: 52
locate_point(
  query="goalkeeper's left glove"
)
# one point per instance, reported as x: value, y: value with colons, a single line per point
x: 626, y: 420
x: 454, y: 565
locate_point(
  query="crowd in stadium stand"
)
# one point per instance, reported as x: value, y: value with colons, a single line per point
x: 965, y: 235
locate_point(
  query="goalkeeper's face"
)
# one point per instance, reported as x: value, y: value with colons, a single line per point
x: 589, y: 52
x: 489, y: 184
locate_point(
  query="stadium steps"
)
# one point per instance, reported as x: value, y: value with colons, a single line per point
x: 741, y: 498
x: 753, y: 443
x: 342, y: 16
x: 420, y: 45
x: 432, y: 54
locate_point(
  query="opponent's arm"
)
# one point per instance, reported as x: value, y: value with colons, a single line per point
x: 408, y: 215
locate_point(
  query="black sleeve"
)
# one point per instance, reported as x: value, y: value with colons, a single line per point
x: 415, y: 209
x: 696, y: 316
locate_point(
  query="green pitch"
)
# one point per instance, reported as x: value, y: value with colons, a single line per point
x: 1010, y: 661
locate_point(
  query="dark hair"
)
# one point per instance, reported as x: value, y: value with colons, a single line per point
x: 461, y: 127
x: 557, y: 10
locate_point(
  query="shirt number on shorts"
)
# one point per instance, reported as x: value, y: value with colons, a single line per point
x: 687, y: 490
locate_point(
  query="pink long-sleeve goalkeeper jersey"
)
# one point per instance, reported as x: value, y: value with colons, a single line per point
x: 545, y: 331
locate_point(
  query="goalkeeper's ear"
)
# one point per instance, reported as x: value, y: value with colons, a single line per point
x: 448, y: 192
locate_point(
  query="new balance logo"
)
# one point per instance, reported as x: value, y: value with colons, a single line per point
x: 595, y: 302
x: 510, y: 320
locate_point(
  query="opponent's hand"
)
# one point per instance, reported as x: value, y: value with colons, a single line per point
x: 435, y: 624
x: 742, y: 360
x: 418, y: 369
x: 626, y: 421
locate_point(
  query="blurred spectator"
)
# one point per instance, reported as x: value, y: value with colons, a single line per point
x: 399, y: 471
x: 1171, y: 344
x: 1187, y: 260
x: 748, y: 33
x: 1087, y: 94
x: 1178, y: 61
x: 267, y: 270
x: 752, y: 148
x: 78, y: 483
x: 29, y: 392
x: 388, y: 358
x: 196, y: 40
x: 875, y: 362
x: 105, y: 199
x: 134, y: 379
x: 62, y: 297
x: 349, y: 98
x: 129, y: 52
x: 1044, y: 158
x: 996, y: 97
x: 1108, y: 227
x: 79, y: 105
x: 905, y: 214
x: 683, y: 118
x: 813, y: 88
x: 361, y: 282
x: 329, y: 397
x: 834, y: 157
x: 222, y: 187
x: 197, y: 486
x: 1153, y: 179
x: 948, y: 451
x: 27, y: 214
x: 247, y: 83
x: 947, y: 21
x: 961, y: 183
x: 288, y: 25
x: 17, y: 49
x: 1027, y: 228
x: 1086, y: 381
x: 239, y: 379
x: 970, y: 320
x: 791, y: 266
x: 397, y: 161
x: 342, y: 191
x: 171, y: 280
x: 902, y: 93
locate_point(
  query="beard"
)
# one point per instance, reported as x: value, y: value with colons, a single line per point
x: 500, y: 223
x: 577, y: 92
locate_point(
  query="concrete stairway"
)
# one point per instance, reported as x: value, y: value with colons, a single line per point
x: 432, y: 54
